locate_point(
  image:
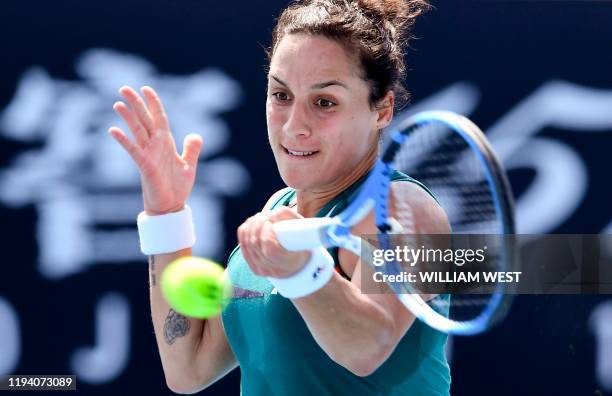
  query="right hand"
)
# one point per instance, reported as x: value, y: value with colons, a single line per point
x: 167, y: 178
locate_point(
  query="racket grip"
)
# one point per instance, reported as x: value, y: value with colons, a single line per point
x: 303, y: 234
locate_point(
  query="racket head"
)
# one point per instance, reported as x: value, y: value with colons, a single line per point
x: 452, y: 157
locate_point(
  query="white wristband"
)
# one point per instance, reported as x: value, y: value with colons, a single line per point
x: 315, y: 274
x: 166, y: 233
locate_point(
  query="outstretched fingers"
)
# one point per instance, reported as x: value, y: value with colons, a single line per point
x: 132, y: 149
x: 139, y: 107
x: 139, y: 131
x: 156, y: 109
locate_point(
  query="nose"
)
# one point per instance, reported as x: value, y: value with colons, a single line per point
x: 297, y: 124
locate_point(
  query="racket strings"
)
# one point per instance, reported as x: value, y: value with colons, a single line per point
x: 404, y: 213
x: 462, y: 190
x: 444, y: 162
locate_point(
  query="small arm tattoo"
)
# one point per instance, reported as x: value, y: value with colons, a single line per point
x: 152, y: 270
x: 176, y: 326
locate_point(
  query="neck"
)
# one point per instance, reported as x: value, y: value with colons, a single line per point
x: 310, y: 201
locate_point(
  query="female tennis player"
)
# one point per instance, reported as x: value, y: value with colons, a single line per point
x: 335, y: 75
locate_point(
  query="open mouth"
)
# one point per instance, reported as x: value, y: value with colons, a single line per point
x: 299, y: 153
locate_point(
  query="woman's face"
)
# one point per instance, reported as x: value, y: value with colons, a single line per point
x: 320, y: 122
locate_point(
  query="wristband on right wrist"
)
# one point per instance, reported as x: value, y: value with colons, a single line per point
x: 315, y: 274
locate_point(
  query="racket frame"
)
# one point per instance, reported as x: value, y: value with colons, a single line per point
x: 310, y: 233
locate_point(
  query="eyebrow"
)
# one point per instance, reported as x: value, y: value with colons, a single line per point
x: 316, y: 86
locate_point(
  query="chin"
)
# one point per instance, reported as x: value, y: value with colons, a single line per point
x: 297, y: 180
x: 296, y: 183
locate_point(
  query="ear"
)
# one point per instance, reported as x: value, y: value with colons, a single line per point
x: 384, y: 110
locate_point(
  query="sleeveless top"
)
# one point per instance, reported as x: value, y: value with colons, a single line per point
x: 279, y: 356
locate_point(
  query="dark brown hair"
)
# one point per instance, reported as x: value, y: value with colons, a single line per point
x: 377, y: 31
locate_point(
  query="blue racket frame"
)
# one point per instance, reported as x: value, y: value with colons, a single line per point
x: 375, y: 194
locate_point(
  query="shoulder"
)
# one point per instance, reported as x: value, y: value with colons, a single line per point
x: 411, y: 197
x: 277, y: 196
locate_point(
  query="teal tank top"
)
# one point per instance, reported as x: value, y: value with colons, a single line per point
x: 278, y: 355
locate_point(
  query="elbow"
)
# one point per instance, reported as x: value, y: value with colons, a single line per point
x: 183, y: 385
x: 363, y: 370
x: 365, y: 361
x: 179, y: 387
x: 366, y: 366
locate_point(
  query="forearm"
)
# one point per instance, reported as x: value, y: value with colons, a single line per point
x: 193, y: 352
x: 178, y: 337
x: 354, y: 330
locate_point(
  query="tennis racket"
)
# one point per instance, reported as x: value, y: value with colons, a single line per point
x: 452, y: 157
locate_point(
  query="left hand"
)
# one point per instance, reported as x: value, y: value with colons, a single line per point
x: 262, y: 250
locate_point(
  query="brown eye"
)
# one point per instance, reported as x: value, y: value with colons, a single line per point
x: 324, y: 103
x: 280, y: 96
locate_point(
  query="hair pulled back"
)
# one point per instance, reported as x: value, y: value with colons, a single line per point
x: 376, y: 31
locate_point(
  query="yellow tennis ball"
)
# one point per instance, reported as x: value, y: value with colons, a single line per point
x: 196, y: 287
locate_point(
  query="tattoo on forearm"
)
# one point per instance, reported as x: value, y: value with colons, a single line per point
x: 176, y: 326
x: 152, y: 270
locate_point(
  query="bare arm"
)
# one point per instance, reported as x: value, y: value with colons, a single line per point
x: 194, y: 353
x: 359, y: 331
